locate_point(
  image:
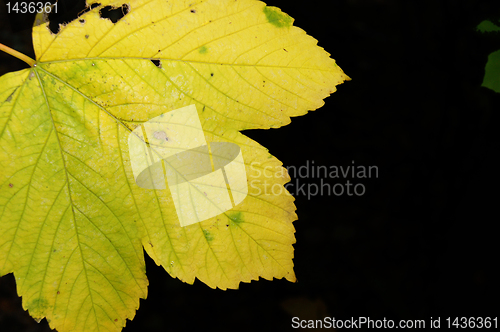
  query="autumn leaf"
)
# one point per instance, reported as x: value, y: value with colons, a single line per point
x: 73, y: 220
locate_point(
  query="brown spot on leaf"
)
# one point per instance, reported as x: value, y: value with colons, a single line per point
x: 161, y: 135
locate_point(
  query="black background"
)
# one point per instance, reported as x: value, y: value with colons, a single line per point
x: 421, y: 242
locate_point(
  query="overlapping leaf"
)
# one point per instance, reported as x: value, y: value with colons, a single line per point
x: 73, y: 221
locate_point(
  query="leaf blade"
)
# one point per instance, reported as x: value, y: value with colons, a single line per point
x: 243, y: 65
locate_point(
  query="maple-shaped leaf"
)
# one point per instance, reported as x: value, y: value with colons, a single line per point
x: 74, y: 221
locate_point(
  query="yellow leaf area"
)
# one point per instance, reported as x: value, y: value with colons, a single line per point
x: 73, y: 220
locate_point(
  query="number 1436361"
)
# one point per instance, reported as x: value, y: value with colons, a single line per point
x: 31, y: 7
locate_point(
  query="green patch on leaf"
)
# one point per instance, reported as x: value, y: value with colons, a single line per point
x: 38, y: 306
x: 203, y: 49
x: 208, y: 235
x: 277, y: 18
x: 236, y: 217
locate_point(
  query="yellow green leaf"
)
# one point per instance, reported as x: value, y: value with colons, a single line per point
x: 73, y: 220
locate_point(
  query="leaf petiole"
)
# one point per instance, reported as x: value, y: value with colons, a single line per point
x: 17, y: 54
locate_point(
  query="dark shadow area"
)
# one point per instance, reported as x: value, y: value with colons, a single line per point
x: 157, y: 63
x: 68, y: 11
x: 114, y: 14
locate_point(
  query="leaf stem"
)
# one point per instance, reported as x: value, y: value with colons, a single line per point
x: 17, y: 54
